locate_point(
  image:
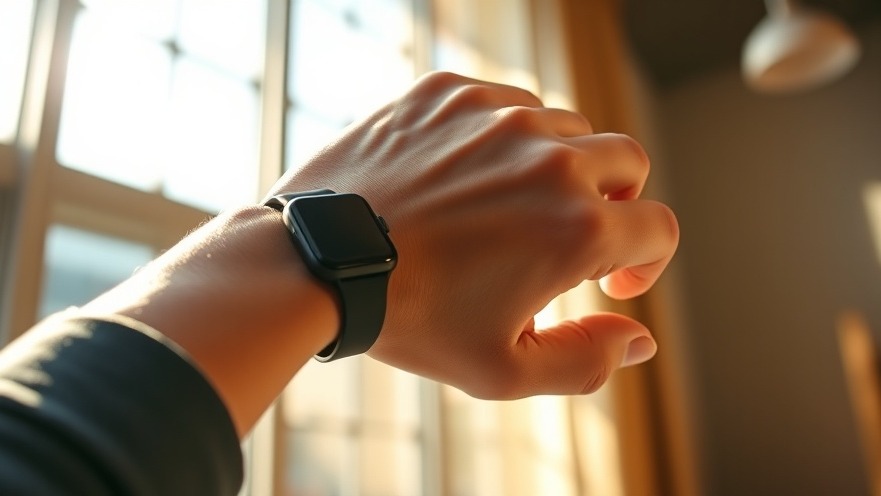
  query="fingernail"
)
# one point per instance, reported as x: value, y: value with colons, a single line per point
x: 638, y: 351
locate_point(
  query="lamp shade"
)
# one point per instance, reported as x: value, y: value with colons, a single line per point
x: 796, y: 50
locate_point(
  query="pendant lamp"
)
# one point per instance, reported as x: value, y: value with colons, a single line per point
x: 796, y: 48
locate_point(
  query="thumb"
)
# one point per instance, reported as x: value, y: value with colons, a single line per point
x: 578, y: 356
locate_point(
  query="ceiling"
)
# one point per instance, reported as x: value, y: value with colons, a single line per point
x: 676, y: 39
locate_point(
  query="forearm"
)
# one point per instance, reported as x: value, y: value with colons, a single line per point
x: 238, y: 299
x: 101, y: 407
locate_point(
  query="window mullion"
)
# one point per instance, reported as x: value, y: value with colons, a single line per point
x: 434, y: 481
x: 93, y: 203
x: 423, y: 36
x: 8, y: 168
x: 274, y: 94
x: 267, y: 444
x: 38, y: 133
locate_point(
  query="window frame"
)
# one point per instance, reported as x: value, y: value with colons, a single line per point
x: 36, y: 191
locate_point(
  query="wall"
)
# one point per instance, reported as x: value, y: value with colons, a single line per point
x: 775, y: 245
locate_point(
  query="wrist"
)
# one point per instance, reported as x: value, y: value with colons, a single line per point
x: 344, y: 243
x: 236, y: 296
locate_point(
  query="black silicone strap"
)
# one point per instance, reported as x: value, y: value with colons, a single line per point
x: 362, y: 301
x: 362, y: 312
x: 278, y: 202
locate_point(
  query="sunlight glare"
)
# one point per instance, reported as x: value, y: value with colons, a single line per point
x: 15, y: 32
x: 233, y: 39
x: 213, y: 127
x: 112, y: 121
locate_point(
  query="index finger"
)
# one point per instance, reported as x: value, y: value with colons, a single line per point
x: 641, y: 239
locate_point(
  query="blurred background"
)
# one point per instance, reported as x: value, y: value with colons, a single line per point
x: 124, y: 124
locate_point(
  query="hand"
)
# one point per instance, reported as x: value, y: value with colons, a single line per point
x: 496, y: 206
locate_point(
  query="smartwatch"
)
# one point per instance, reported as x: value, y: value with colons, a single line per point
x: 346, y: 245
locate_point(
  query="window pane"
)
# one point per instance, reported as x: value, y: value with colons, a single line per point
x: 388, y: 20
x: 74, y: 274
x: 228, y: 33
x: 390, y: 467
x: 16, y: 21
x: 390, y: 399
x: 473, y: 443
x: 306, y: 134
x: 351, y: 74
x: 320, y: 464
x: 114, y: 105
x: 138, y: 113
x: 154, y: 18
x: 324, y: 396
x: 347, y: 58
x: 214, y: 126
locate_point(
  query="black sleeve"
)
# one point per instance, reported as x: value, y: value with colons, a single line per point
x: 91, y: 407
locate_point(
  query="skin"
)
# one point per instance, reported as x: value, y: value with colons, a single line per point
x: 496, y: 205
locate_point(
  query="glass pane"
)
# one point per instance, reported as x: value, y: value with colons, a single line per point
x: 390, y: 398
x: 135, y: 116
x: 324, y: 396
x: 320, y: 464
x: 214, y: 123
x: 306, y: 134
x: 74, y: 275
x: 388, y: 20
x: 154, y: 18
x: 228, y: 33
x: 338, y: 69
x: 112, y: 120
x: 16, y: 21
x: 390, y: 467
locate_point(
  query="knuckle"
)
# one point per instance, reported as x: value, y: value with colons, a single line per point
x: 636, y: 150
x: 585, y: 122
x: 436, y: 80
x: 559, y: 163
x: 472, y: 95
x: 591, y: 218
x: 529, y: 96
x: 516, y: 117
x: 672, y: 222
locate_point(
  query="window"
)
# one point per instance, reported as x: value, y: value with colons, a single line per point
x: 15, y: 33
x: 347, y: 422
x: 165, y: 98
x: 364, y: 61
x: 162, y: 118
x: 74, y: 275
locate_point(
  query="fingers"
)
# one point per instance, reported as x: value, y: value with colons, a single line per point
x: 629, y: 241
x: 616, y: 164
x: 632, y: 281
x: 565, y: 123
x: 628, y: 244
x: 574, y: 357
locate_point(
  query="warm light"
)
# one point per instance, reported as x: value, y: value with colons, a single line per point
x: 872, y: 200
x: 15, y: 31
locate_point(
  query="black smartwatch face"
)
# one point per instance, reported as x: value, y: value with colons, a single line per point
x: 342, y: 232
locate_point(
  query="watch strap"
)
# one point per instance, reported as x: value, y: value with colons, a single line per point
x: 362, y: 303
x: 362, y: 300
x: 279, y: 202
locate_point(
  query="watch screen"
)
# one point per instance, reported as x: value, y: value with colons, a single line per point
x: 342, y: 230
